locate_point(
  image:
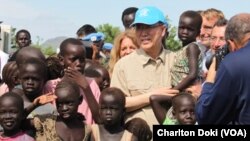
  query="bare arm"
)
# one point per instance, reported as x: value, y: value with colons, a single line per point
x: 193, y: 55
x: 133, y: 103
x: 41, y: 100
x: 139, y: 101
x: 160, y: 104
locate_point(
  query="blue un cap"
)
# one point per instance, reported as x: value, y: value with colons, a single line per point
x: 94, y: 37
x: 149, y: 15
x: 107, y: 46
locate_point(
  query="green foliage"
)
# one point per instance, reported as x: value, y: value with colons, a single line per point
x: 46, y: 50
x: 172, y: 42
x: 109, y: 31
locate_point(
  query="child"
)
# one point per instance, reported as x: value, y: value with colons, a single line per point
x: 28, y: 52
x: 68, y: 125
x: 10, y: 77
x: 11, y: 117
x: 23, y: 39
x: 100, y: 74
x: 139, y: 128
x: 187, y: 66
x: 55, y: 69
x: 112, y: 112
x: 183, y: 109
x: 32, y: 75
x: 72, y: 57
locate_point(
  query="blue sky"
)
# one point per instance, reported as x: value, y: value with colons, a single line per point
x: 52, y: 18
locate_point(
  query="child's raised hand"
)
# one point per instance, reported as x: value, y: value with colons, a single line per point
x: 44, y: 99
x: 76, y: 76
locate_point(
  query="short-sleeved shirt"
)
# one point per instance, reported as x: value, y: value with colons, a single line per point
x: 21, y: 136
x: 137, y: 73
x: 83, y: 107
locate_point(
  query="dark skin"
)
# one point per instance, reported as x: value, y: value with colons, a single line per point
x: 74, y: 62
x: 68, y: 125
x: 187, y: 34
x: 183, y: 111
x: 128, y: 20
x: 10, y: 75
x: 27, y: 53
x: 111, y: 113
x: 23, y: 40
x: 160, y: 105
x: 11, y: 116
x: 32, y: 81
x: 139, y: 128
x: 105, y: 78
x: 96, y: 46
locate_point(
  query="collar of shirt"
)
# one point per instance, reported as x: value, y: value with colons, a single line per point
x: 145, y: 58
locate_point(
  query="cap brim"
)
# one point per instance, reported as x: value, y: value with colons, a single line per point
x: 144, y: 22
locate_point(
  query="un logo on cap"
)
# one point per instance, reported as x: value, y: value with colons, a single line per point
x: 144, y: 13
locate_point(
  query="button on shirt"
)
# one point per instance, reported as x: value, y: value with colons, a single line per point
x: 138, y: 73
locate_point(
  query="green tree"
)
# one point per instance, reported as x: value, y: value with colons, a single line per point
x: 46, y: 50
x: 109, y: 31
x: 172, y: 42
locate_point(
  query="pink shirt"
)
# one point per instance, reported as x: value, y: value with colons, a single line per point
x: 83, y: 107
x: 21, y: 136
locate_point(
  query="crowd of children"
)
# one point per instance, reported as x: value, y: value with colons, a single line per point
x: 68, y: 97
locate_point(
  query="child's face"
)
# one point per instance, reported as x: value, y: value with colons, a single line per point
x: 31, y: 80
x: 128, y: 20
x: 111, y: 110
x: 104, y: 81
x: 74, y: 57
x: 23, y: 40
x: 67, y: 103
x: 187, y: 30
x: 11, y: 114
x: 184, y: 112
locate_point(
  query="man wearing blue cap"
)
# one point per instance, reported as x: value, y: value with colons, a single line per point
x: 97, y: 40
x: 146, y: 71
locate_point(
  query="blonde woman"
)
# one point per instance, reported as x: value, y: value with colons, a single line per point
x: 124, y: 44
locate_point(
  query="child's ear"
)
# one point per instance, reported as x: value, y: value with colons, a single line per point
x: 80, y: 99
x: 173, y: 112
x: 30, y: 41
x: 15, y: 79
x: 61, y: 59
